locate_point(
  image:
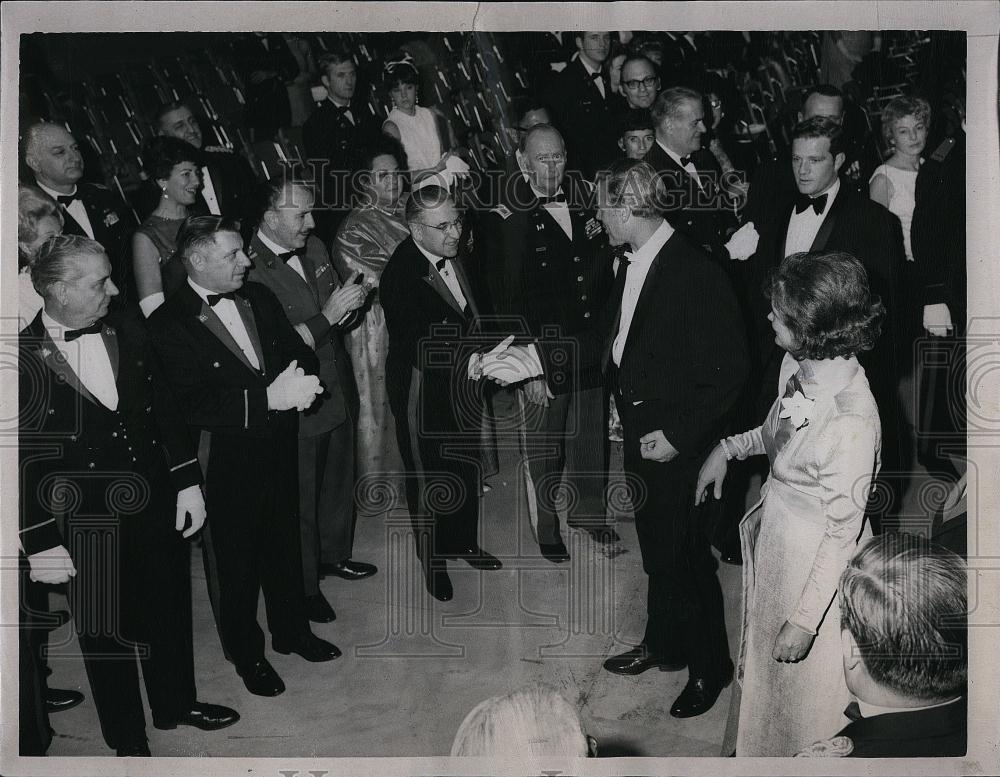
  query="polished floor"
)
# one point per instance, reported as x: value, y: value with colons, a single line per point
x: 413, y: 667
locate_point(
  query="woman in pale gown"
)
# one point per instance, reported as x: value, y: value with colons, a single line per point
x: 364, y: 243
x: 823, y: 439
x: 39, y: 217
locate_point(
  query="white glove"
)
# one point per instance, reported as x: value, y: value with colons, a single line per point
x: 476, y: 360
x: 513, y: 365
x: 743, y: 244
x: 190, y: 500
x: 293, y: 388
x: 937, y: 319
x: 52, y: 566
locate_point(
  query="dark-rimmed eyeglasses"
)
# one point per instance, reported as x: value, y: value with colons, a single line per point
x: 634, y: 83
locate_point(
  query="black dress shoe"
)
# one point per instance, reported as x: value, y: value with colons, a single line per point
x: 349, y: 570
x: 140, y: 750
x: 439, y: 584
x: 697, y: 697
x: 639, y: 659
x: 309, y: 646
x: 477, y: 558
x: 59, y: 700
x: 207, y: 717
x: 603, y: 535
x: 555, y: 552
x: 261, y: 679
x: 318, y: 609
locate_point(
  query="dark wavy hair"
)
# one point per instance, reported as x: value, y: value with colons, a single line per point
x: 825, y: 301
x: 163, y: 153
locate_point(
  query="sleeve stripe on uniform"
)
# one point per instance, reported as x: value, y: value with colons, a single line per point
x: 186, y: 463
x: 37, y: 526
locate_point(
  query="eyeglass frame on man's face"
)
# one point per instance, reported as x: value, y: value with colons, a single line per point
x: 648, y: 82
x: 444, y: 227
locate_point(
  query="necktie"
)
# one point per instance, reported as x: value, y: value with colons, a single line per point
x: 213, y: 299
x: 560, y: 197
x: 804, y: 201
x: 623, y: 263
x: 72, y: 334
x: 853, y: 711
x: 289, y: 254
x: 65, y: 199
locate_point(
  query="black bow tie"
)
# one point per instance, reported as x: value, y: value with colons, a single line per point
x: 440, y: 264
x: 289, y: 254
x: 596, y: 76
x: 72, y: 334
x: 685, y: 161
x: 560, y: 197
x: 213, y: 299
x: 65, y: 199
x: 853, y: 711
x: 341, y: 110
x: 804, y: 201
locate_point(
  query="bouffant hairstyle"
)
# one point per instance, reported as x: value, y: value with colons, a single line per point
x: 163, y: 153
x: 400, y: 69
x: 899, y: 108
x: 380, y: 145
x: 33, y: 205
x: 826, y: 303
x: 903, y: 599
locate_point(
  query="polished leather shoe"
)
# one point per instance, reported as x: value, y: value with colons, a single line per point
x: 697, y: 697
x: 639, y: 659
x: 349, y: 570
x: 439, y: 584
x: 318, y: 609
x: 309, y: 646
x: 555, y: 552
x: 133, y: 751
x: 477, y: 558
x: 261, y: 679
x: 59, y: 700
x: 207, y: 717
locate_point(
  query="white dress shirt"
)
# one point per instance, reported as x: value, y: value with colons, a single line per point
x: 88, y: 357
x: 802, y: 227
x: 689, y: 168
x: 208, y: 192
x: 294, y: 262
x: 347, y: 113
x: 638, y: 268
x: 558, y: 210
x: 230, y: 317
x: 598, y: 82
x: 76, y: 209
x: 447, y: 273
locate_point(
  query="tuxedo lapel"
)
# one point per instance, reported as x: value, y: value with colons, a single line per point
x: 250, y: 322
x: 110, y: 338
x: 645, y: 300
x: 309, y: 269
x: 829, y: 222
x: 54, y: 360
x: 213, y: 323
x: 463, y: 282
x: 436, y: 282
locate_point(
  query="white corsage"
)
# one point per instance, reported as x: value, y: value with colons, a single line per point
x: 797, y: 408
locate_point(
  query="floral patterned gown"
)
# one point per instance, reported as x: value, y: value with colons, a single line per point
x: 796, y: 542
x: 364, y: 242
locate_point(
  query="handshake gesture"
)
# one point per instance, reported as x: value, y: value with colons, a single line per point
x: 293, y: 389
x: 506, y: 363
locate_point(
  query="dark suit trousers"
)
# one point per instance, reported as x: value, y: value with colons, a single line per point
x: 570, y: 433
x: 326, y: 500
x: 33, y: 731
x: 685, y: 616
x: 252, y: 542
x: 132, y: 597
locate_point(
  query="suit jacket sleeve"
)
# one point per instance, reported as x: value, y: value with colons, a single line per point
x: 290, y: 345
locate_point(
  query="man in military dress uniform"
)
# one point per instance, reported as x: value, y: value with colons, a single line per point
x: 548, y: 268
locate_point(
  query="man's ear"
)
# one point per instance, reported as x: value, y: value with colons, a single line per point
x: 325, y: 80
x: 31, y: 162
x: 60, y: 291
x: 621, y: 143
x: 838, y: 161
x: 849, y: 647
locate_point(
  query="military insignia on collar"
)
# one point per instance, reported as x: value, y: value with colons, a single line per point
x: 503, y: 212
x: 202, y: 317
x: 322, y: 269
x: 593, y: 227
x: 110, y: 219
x: 46, y: 353
x: 834, y: 747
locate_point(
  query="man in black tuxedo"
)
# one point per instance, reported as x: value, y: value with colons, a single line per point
x: 584, y: 105
x: 693, y: 201
x: 677, y: 367
x: 109, y: 494
x: 548, y: 266
x: 432, y: 309
x: 333, y: 136
x: 296, y: 266
x: 907, y: 665
x: 237, y: 367
x: 227, y: 180
x: 826, y: 215
x: 89, y: 209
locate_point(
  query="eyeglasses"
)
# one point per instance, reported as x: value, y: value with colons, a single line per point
x: 715, y: 103
x: 648, y: 82
x: 445, y: 226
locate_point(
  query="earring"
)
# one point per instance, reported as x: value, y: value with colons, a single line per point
x: 165, y: 193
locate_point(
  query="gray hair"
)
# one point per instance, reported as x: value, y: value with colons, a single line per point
x: 53, y: 262
x: 669, y: 101
x: 633, y: 184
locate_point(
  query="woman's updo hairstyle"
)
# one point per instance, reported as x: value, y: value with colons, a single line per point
x: 400, y: 69
x: 825, y: 301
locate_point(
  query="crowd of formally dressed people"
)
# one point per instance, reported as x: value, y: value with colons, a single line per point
x: 241, y: 365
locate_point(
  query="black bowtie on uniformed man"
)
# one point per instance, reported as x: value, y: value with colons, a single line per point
x: 227, y: 182
x: 89, y: 209
x: 296, y: 266
x: 549, y: 267
x: 333, y: 135
x: 433, y: 311
x: 240, y: 372
x: 109, y: 495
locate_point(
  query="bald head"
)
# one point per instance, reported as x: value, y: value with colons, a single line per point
x: 53, y: 155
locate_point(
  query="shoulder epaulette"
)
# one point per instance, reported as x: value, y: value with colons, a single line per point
x: 942, y: 151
